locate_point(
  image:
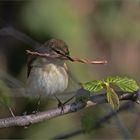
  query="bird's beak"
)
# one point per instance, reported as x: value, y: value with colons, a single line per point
x: 70, y: 58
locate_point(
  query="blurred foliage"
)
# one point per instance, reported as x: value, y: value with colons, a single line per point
x: 54, y: 18
x: 5, y: 97
x: 95, y: 29
x: 112, y: 22
x: 51, y: 128
x: 89, y: 120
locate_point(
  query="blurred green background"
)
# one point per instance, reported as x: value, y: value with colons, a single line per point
x: 93, y: 29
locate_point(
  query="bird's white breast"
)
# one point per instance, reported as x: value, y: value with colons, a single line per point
x: 47, y: 80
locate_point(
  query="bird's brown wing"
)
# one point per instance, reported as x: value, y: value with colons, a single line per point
x: 31, y: 59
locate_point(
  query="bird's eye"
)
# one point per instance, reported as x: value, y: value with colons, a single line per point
x: 58, y: 51
x: 67, y: 53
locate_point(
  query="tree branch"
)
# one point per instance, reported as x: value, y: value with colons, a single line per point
x: 69, y: 108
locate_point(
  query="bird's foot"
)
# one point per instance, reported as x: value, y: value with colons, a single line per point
x: 60, y: 104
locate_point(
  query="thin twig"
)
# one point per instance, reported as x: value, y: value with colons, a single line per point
x: 72, y: 59
x: 90, y: 61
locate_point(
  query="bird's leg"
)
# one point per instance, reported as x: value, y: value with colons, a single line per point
x: 60, y: 104
x: 38, y: 102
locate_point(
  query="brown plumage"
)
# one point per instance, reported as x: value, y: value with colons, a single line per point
x: 48, y: 76
x: 53, y: 46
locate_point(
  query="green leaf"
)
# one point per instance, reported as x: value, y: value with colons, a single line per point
x: 112, y: 98
x: 124, y: 83
x: 94, y: 86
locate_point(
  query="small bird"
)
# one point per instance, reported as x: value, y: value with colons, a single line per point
x: 48, y: 76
